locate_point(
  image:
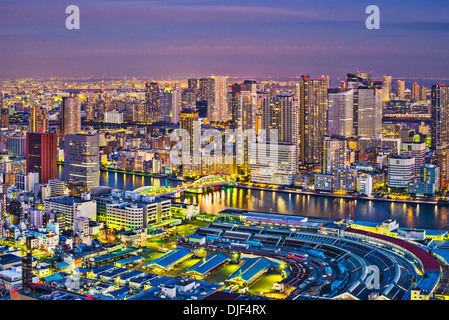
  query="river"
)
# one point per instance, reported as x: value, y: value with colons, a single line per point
x: 426, y: 216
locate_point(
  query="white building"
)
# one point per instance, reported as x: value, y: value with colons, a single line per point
x: 26, y: 182
x: 113, y: 116
x: 71, y: 208
x: 365, y: 184
x: 275, y: 167
x: 401, y: 170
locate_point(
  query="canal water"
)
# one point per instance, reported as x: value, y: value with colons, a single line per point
x: 427, y: 216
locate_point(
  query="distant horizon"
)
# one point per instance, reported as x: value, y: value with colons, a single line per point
x: 198, y: 37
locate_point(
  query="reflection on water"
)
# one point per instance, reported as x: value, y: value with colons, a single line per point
x: 408, y: 215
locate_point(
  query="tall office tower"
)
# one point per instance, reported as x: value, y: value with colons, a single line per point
x: 340, y: 113
x: 175, y: 106
x: 41, y: 154
x: 280, y: 113
x: 312, y: 120
x: 423, y: 93
x: 249, y: 85
x: 218, y: 109
x: 187, y: 119
x: 90, y: 111
x: 206, y: 90
x: 386, y: 88
x: 152, y: 96
x: 189, y: 99
x: 139, y: 112
x: 246, y: 120
x: 235, y: 91
x: 192, y: 84
x: 415, y: 91
x: 38, y: 121
x: 81, y: 160
x: 71, y: 115
x: 334, y: 154
x: 5, y: 118
x: 440, y: 115
x: 400, y: 89
x: 442, y: 161
x: 17, y: 145
x: 165, y: 104
x: 416, y: 150
x: 367, y: 111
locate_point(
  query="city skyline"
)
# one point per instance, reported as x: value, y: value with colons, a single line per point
x: 191, y: 38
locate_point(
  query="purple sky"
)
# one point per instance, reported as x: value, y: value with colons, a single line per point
x: 236, y: 38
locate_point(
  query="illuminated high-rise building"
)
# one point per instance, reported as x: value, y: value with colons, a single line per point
x: 41, y: 155
x: 440, y: 115
x: 152, y: 96
x: 218, y: 109
x: 4, y: 118
x: 280, y: 113
x: 81, y: 159
x: 245, y: 121
x: 206, y: 90
x: 71, y: 115
x: 423, y: 93
x: 334, y: 154
x: 400, y: 89
x: 38, y: 121
x: 312, y: 119
x: 235, y: 91
x: 340, y: 113
x: 249, y: 85
x: 442, y: 161
x: 386, y: 88
x: 187, y: 120
x: 415, y: 92
x: 367, y: 117
x: 192, y: 84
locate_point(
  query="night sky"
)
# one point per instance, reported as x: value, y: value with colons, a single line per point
x: 236, y: 38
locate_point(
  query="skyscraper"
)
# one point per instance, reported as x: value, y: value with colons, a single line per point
x: 400, y: 89
x: 4, y: 118
x: 340, y: 113
x: 38, y: 121
x: 187, y: 119
x: 81, y: 159
x: 386, y: 88
x: 334, y: 154
x: 367, y: 111
x: 152, y: 96
x: 41, y: 154
x: 415, y: 92
x: 71, y: 115
x: 218, y: 109
x: 235, y: 91
x: 440, y: 115
x: 245, y: 120
x: 192, y: 84
x: 280, y: 113
x: 312, y: 119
